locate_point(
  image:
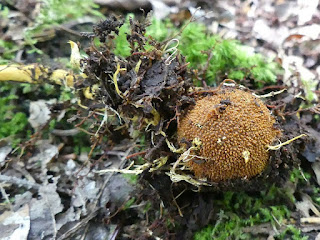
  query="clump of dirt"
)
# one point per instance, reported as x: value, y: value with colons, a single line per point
x: 144, y: 95
x: 145, y: 90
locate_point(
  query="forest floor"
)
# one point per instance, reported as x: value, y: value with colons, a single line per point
x: 92, y: 159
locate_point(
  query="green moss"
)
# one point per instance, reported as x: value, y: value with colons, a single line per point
x: 122, y: 47
x: 309, y: 87
x: 161, y: 29
x: 228, y: 58
x: 229, y: 226
x: 316, y: 195
x: 147, y: 207
x: 194, y: 41
x: 158, y: 30
x: 8, y: 49
x: 274, y: 206
x: 4, y: 11
x: 240, y: 210
x: 13, y: 122
x: 298, y: 175
x: 293, y: 232
x: 55, y: 12
x: 129, y: 203
x: 132, y: 178
x: 52, y: 14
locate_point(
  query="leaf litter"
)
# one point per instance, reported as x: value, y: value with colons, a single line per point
x: 68, y: 199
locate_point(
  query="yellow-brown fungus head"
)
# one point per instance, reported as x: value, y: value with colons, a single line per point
x: 234, y: 128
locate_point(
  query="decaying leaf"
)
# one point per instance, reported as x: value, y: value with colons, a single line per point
x: 4, y: 151
x: 21, y: 200
x: 43, y: 211
x: 86, y: 190
x: 15, y: 225
x: 316, y: 169
x: 311, y: 151
x: 274, y: 36
x: 39, y: 113
x: 307, y: 205
x: 140, y: 98
x: 47, y: 152
x: 69, y: 216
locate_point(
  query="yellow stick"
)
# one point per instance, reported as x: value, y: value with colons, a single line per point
x: 36, y: 73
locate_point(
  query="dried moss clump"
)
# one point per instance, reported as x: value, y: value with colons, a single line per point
x: 234, y: 128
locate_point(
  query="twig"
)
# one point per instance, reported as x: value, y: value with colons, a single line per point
x: 271, y: 94
x: 136, y: 154
x: 310, y: 220
x: 84, y: 222
x: 69, y: 132
x: 5, y: 195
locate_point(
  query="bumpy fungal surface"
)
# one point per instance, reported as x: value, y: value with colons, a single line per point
x: 234, y: 128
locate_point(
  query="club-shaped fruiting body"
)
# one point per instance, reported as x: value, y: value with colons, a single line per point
x: 234, y: 128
